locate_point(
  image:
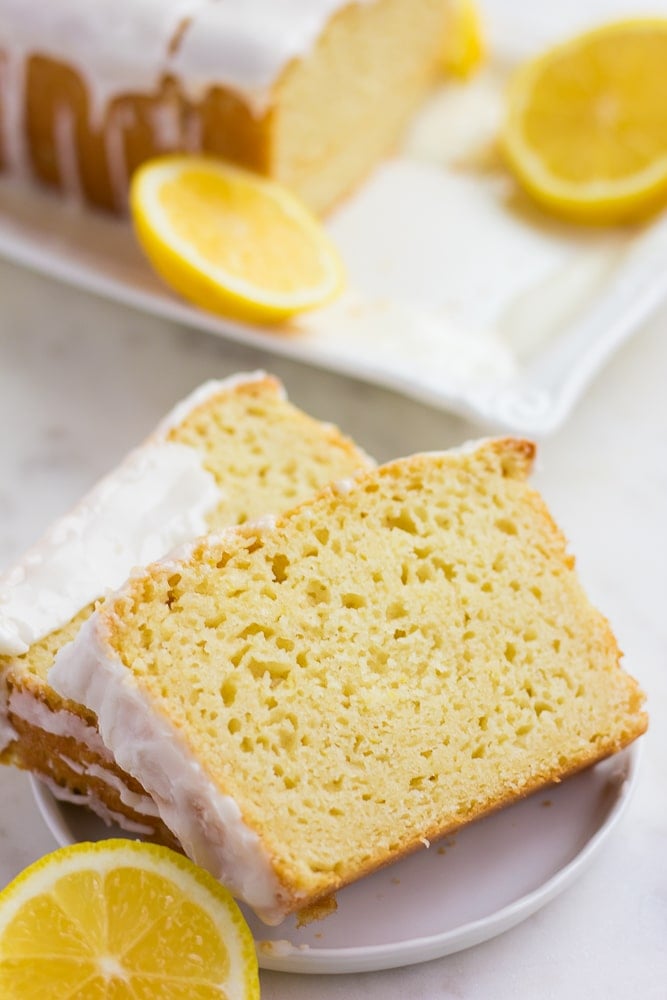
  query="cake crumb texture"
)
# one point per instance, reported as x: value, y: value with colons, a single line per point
x: 265, y: 454
x: 392, y: 660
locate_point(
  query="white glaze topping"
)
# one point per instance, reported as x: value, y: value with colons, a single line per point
x: 142, y: 804
x: 156, y: 500
x: 89, y: 800
x: 64, y: 134
x: 144, y: 743
x: 246, y: 44
x: 125, y: 47
x: 7, y: 731
x: 118, y: 47
x: 60, y: 722
x: 345, y: 485
x: 121, y: 47
x: 73, y: 765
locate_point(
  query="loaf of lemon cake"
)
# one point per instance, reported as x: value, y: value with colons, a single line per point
x: 310, y: 697
x: 309, y: 92
x: 231, y: 451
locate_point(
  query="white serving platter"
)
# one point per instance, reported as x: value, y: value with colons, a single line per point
x: 460, y: 294
x: 454, y: 894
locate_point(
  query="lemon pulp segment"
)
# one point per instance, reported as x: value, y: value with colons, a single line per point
x: 122, y: 920
x: 231, y: 241
x: 586, y: 127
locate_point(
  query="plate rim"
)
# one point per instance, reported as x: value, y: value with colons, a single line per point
x: 523, y: 404
x: 370, y: 958
x: 536, y: 400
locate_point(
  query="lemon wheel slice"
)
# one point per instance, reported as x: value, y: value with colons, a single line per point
x: 586, y: 126
x: 122, y: 920
x: 230, y: 241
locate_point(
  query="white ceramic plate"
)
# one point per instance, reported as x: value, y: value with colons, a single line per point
x: 460, y: 294
x: 457, y: 893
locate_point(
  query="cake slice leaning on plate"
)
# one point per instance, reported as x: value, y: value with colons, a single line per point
x: 310, y: 698
x: 233, y: 450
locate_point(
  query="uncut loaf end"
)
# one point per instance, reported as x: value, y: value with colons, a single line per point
x: 312, y: 93
x: 311, y: 698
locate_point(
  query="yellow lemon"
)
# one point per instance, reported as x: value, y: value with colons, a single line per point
x: 120, y: 920
x: 586, y: 125
x: 465, y: 46
x: 230, y: 241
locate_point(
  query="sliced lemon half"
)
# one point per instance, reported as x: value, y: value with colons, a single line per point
x: 465, y: 45
x: 586, y: 125
x: 230, y: 241
x: 122, y: 920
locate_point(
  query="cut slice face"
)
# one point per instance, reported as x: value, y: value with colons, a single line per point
x: 230, y: 241
x: 586, y: 125
x: 122, y: 920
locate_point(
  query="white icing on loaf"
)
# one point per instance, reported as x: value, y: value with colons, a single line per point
x: 60, y: 722
x: 7, y: 732
x: 89, y: 800
x: 208, y: 823
x: 36, y: 713
x: 121, y: 47
x: 141, y: 804
x: 156, y: 500
x: 246, y: 44
x: 64, y: 130
x: 118, y: 46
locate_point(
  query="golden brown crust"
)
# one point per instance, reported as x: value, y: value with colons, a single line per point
x: 513, y: 457
x: 226, y: 125
x: 319, y: 905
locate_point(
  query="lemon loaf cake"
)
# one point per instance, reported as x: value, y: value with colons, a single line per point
x: 309, y: 92
x: 309, y: 698
x: 231, y: 451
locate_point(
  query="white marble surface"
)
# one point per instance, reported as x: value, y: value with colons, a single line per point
x: 81, y: 380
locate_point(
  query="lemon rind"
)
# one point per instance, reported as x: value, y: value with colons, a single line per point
x: 153, y: 227
x: 601, y: 200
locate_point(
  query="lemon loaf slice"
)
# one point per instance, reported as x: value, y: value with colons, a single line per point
x: 310, y: 698
x: 310, y: 92
x: 231, y: 451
